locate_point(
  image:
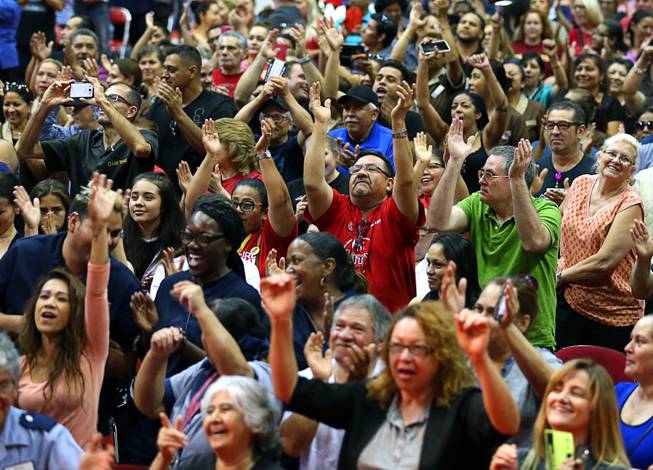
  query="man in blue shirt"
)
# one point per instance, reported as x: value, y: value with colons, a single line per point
x: 361, y: 111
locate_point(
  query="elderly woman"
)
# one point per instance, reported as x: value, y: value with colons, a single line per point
x: 596, y: 253
x: 240, y: 425
x: 426, y: 390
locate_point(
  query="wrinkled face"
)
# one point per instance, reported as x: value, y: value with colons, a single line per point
x: 588, y: 75
x: 281, y: 123
x: 207, y: 251
x: 562, y: 140
x: 230, y: 53
x: 206, y: 74
x: 8, y: 393
x: 463, y: 108
x: 386, y: 82
x: 151, y: 67
x: 533, y: 74
x: 411, y: 373
x: 176, y: 73
x: 540, y: 5
x: 477, y: 83
x: 644, y: 125
x: 256, y: 37
x: 243, y: 198
x: 45, y: 76
x: 84, y: 47
x: 52, y: 309
x: 533, y: 26
x: 644, y: 28
x: 7, y: 214
x: 514, y: 73
x: 371, y: 181
x: 16, y: 109
x: 353, y: 326
x: 118, y: 94
x: 617, y: 162
x: 297, y: 83
x: 358, y: 118
x: 616, y: 76
x: 307, y: 268
x: 369, y: 34
x: 437, y: 266
x: 51, y: 204
x: 469, y: 28
x: 431, y: 177
x: 639, y: 351
x: 225, y: 426
x: 116, y: 76
x: 568, y: 403
x: 495, y: 187
x: 145, y: 202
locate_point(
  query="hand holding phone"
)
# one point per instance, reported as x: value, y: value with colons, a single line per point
x: 81, y: 90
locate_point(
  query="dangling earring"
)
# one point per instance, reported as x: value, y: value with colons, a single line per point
x: 322, y: 281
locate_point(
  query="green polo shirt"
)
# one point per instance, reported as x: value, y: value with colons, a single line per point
x: 499, y: 252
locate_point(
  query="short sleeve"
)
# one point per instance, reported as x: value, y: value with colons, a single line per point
x: 153, y: 140
x: 551, y: 218
x: 467, y: 206
x: 59, y: 153
x: 62, y: 449
x: 335, y: 211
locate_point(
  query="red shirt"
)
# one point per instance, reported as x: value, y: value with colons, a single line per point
x: 520, y: 48
x: 257, y: 245
x: 228, y: 81
x: 579, y: 39
x: 230, y: 183
x: 382, y: 246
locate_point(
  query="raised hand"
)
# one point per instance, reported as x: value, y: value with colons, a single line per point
x: 189, y: 295
x: 279, y: 86
x: 267, y: 125
x: 166, y: 341
x: 101, y: 201
x: 333, y: 37
x: 95, y: 457
x: 168, y: 260
x: 321, y: 113
x: 38, y: 47
x: 279, y: 297
x: 538, y: 181
x: 457, y: 147
x: 215, y: 183
x: 473, y: 332
x: 48, y: 224
x: 29, y: 210
x: 512, y: 304
x: 479, y: 61
x: 106, y: 62
x: 521, y: 162
x: 210, y: 138
x: 558, y: 195
x: 170, y: 438
x: 416, y: 16
x: 360, y: 361
x: 348, y: 154
x: 144, y: 311
x: 90, y: 67
x: 320, y: 364
x: 300, y: 209
x: 171, y: 97
x: 271, y: 266
x: 184, y: 175
x: 57, y: 93
x: 452, y: 295
x: 267, y: 48
x: 550, y: 48
x: 298, y: 33
x: 98, y: 92
x: 422, y: 151
x: 406, y: 94
x: 640, y: 236
x: 505, y: 458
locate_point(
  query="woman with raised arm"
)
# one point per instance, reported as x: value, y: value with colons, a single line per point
x: 427, y: 390
x: 65, y: 335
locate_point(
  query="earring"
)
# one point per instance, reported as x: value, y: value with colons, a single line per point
x: 322, y: 281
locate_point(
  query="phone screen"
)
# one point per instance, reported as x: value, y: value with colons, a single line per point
x: 81, y: 90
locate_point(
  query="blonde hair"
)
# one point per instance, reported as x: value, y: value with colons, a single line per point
x: 453, y: 375
x: 594, y: 13
x: 238, y: 139
x: 605, y: 441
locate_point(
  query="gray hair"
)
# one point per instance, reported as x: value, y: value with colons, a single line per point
x: 9, y: 357
x: 508, y: 153
x: 259, y: 412
x: 379, y: 315
x: 242, y: 41
x: 624, y: 139
x: 84, y: 32
x: 372, y: 106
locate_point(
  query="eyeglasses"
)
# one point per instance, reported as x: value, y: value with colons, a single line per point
x: 368, y: 168
x: 623, y: 159
x: 489, y: 176
x: 246, y: 205
x: 116, y: 233
x: 415, y: 350
x: 115, y: 98
x: 434, y: 166
x: 276, y: 118
x: 203, y: 240
x: 562, y: 125
x: 645, y: 125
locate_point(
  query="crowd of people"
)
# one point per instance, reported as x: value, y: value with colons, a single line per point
x: 313, y: 235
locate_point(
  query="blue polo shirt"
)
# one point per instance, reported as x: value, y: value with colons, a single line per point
x: 380, y: 139
x: 31, y: 258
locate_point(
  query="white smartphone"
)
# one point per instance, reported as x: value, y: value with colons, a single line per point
x: 81, y: 90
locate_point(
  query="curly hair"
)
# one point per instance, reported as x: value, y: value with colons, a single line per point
x: 453, y: 375
x: 238, y: 139
x: 66, y: 364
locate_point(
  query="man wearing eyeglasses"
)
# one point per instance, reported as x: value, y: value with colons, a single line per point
x: 512, y: 232
x: 564, y: 126
x: 121, y: 150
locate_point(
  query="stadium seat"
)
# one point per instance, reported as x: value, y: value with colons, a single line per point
x: 613, y: 361
x: 120, y: 17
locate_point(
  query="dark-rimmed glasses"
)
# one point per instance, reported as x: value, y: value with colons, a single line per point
x: 415, y: 350
x: 367, y: 167
x: 116, y: 98
x: 246, y: 205
x: 203, y: 240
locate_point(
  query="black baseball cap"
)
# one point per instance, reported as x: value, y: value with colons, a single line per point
x: 361, y: 93
x: 276, y: 101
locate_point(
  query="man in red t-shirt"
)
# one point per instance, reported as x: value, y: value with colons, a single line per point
x: 378, y: 222
x: 231, y: 49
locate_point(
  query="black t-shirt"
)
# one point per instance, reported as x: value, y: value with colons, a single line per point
x: 174, y: 146
x: 609, y: 110
x: 584, y: 167
x: 84, y: 153
x: 35, y: 15
x: 414, y: 123
x: 289, y: 158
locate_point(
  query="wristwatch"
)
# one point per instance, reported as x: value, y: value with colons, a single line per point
x: 263, y: 155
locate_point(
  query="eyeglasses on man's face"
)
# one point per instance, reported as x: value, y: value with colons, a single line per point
x: 561, y: 125
x: 117, y: 98
x: 368, y: 168
x: 490, y: 175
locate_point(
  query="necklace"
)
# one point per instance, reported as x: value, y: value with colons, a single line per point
x: 558, y: 177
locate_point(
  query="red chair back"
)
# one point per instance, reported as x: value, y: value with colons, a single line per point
x: 613, y: 361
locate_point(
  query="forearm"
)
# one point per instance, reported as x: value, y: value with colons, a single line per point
x: 199, y: 182
x: 99, y: 245
x: 301, y: 117
x: 332, y: 76
x: 531, y: 363
x: 280, y: 211
x: 190, y: 130
x: 418, y: 171
x: 297, y: 433
x: 247, y: 112
x: 435, y: 126
x: 442, y: 201
x: 30, y: 135
x: 495, y: 41
x: 191, y: 353
x: 404, y: 189
x: 11, y: 323
x: 56, y: 5
x: 499, y: 404
x: 560, y: 75
x: 30, y: 74
x: 282, y: 360
x: 314, y: 159
x: 141, y: 43
x: 641, y: 281
x: 534, y: 236
x: 150, y: 384
x: 221, y: 347
x: 312, y: 73
x: 495, y: 90
x: 128, y: 132
x: 401, y: 46
x: 633, y: 80
x: 595, y: 267
x: 160, y: 462
x: 248, y: 81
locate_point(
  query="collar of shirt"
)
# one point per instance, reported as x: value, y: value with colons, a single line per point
x: 395, y: 418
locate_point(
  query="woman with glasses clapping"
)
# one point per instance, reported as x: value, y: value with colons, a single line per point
x: 596, y: 252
